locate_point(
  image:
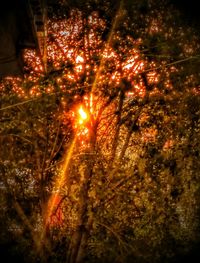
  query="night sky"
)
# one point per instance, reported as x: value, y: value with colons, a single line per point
x: 190, y: 11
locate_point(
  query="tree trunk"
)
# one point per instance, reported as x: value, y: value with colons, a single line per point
x: 77, y: 249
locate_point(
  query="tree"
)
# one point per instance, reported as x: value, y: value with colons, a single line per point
x: 102, y: 136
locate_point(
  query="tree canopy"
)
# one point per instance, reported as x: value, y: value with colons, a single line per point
x: 99, y: 154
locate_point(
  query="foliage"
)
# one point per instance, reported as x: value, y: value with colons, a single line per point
x: 123, y: 182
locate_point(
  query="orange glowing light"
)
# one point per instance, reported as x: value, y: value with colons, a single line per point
x: 56, y: 217
x: 79, y: 59
x: 83, y: 115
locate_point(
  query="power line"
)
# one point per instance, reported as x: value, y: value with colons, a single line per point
x: 172, y: 63
x: 147, y: 70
